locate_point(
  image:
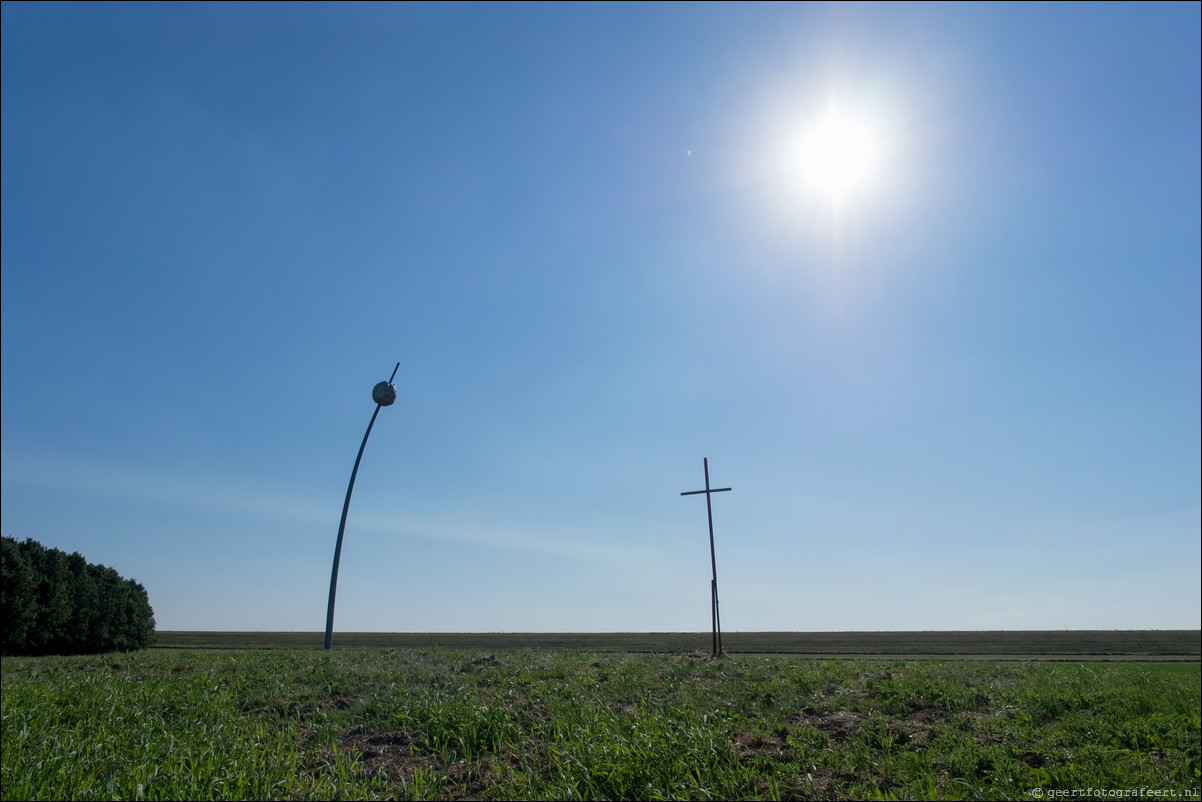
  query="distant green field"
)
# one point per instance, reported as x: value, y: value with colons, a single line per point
x: 462, y: 724
x: 1141, y: 645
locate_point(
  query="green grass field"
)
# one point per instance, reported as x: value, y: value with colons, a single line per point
x: 443, y: 723
x: 1140, y: 645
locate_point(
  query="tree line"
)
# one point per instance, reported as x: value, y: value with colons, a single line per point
x: 58, y: 603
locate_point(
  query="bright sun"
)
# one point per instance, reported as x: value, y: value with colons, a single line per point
x: 838, y: 155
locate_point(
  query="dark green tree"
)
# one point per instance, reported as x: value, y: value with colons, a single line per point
x: 54, y: 603
x: 140, y: 615
x: 84, y: 598
x: 54, y: 600
x: 18, y: 597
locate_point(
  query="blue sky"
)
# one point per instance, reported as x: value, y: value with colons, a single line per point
x: 965, y: 396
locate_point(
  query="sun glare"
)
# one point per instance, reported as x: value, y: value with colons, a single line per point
x: 838, y: 155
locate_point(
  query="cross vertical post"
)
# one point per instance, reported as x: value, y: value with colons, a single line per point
x: 714, y: 617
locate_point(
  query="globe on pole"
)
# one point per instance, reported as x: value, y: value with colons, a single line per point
x: 383, y: 394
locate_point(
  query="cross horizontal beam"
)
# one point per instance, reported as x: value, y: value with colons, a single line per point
x: 695, y: 492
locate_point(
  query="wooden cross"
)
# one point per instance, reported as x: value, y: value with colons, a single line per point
x: 717, y: 625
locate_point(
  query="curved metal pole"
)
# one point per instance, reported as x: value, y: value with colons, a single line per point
x: 346, y: 505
